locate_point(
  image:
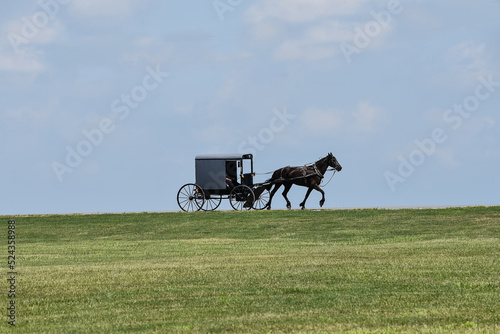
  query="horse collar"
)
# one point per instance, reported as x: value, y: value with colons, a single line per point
x: 317, y: 171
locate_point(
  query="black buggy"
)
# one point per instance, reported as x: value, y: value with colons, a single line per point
x: 221, y: 176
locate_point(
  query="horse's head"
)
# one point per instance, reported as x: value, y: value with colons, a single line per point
x: 332, y: 162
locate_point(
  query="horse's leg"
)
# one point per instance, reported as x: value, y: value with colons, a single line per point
x: 285, y: 192
x: 303, y: 204
x: 276, y: 187
x: 317, y: 187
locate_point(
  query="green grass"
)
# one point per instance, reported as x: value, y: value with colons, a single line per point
x: 350, y: 271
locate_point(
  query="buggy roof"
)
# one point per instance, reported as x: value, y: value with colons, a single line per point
x: 234, y: 156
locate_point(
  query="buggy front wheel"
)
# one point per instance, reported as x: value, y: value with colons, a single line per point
x: 190, y: 197
x: 261, y: 198
x: 241, y: 197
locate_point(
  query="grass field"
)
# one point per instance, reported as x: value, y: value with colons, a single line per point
x: 352, y: 271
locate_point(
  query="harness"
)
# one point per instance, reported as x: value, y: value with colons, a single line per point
x: 321, y: 176
x: 304, y: 173
x: 303, y: 169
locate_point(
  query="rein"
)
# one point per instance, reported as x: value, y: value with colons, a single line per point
x: 331, y: 177
x: 264, y: 173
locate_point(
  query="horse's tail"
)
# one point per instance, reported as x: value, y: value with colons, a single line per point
x: 257, y: 192
x: 268, y: 184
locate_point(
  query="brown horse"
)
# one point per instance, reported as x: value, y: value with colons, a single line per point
x: 306, y: 176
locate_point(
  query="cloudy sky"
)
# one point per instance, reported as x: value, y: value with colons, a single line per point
x: 103, y: 107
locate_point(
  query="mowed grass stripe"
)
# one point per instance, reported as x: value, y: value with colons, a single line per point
x: 327, y: 271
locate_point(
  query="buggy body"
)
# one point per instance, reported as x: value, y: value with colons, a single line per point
x: 221, y: 176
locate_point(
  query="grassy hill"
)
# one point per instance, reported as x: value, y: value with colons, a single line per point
x: 353, y: 271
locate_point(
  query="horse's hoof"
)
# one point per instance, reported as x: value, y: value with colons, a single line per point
x: 289, y: 207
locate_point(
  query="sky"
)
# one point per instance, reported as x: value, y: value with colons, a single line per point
x: 103, y: 107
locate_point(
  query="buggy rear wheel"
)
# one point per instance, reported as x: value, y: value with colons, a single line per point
x: 241, y: 197
x: 190, y: 197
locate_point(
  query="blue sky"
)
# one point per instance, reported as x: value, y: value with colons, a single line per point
x: 104, y: 107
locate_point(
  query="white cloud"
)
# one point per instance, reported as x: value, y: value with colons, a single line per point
x: 301, y: 10
x: 18, y: 52
x: 185, y: 110
x: 369, y: 118
x: 20, y: 63
x: 267, y: 30
x: 475, y: 127
x: 322, y: 121
x: 19, y: 30
x: 365, y: 118
x: 446, y: 157
x: 467, y: 61
x: 29, y: 116
x: 149, y: 50
x: 214, y: 133
x: 105, y: 8
x: 228, y: 90
x: 419, y: 17
x: 27, y: 62
x: 232, y: 57
x: 317, y: 42
x: 467, y: 57
x: 51, y: 33
x: 310, y: 30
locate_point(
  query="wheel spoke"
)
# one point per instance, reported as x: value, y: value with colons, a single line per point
x: 262, y: 200
x: 212, y: 203
x: 190, y: 197
x: 241, y: 197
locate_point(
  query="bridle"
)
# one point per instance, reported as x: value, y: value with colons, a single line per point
x: 328, y: 169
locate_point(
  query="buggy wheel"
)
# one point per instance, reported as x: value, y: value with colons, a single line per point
x: 241, y: 197
x: 212, y: 202
x: 190, y: 197
x: 261, y: 199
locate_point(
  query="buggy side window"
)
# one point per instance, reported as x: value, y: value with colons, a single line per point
x: 231, y: 174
